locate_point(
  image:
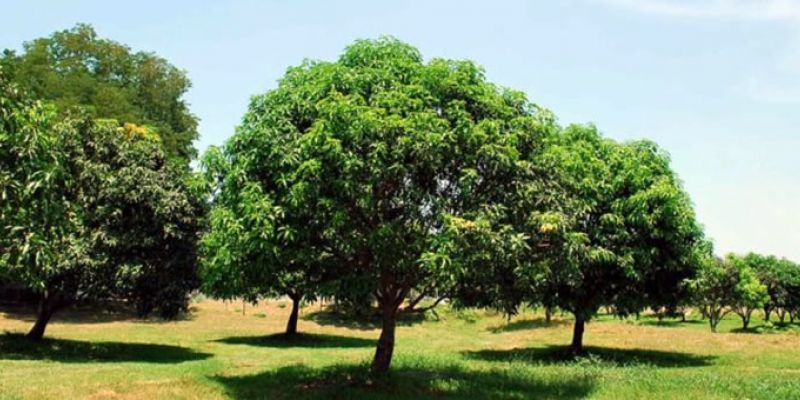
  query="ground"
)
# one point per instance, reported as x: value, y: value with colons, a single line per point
x: 222, y: 352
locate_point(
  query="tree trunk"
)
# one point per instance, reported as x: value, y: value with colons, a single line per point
x: 713, y: 319
x: 291, y: 326
x: 385, y: 349
x: 47, y: 306
x: 767, y: 312
x: 548, y: 314
x: 781, y: 314
x: 745, y: 319
x: 577, y: 335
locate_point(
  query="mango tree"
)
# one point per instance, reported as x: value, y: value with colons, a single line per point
x: 92, y: 211
x: 357, y: 165
x: 749, y: 294
x: 253, y: 248
x: 626, y: 235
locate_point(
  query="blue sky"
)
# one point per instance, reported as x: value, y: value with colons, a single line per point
x: 715, y: 82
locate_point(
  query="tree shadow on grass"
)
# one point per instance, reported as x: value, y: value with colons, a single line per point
x: 403, y: 382
x: 332, y: 318
x: 18, y: 347
x: 669, y: 323
x: 525, y: 324
x: 623, y: 357
x: 309, y: 340
x: 94, y: 314
x: 766, y: 329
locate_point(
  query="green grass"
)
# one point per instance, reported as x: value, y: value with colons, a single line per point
x: 219, y: 353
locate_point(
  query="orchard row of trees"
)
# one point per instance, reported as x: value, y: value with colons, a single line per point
x: 744, y: 284
x: 380, y: 180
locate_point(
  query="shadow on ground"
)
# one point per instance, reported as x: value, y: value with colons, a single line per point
x: 670, y: 323
x: 778, y: 327
x: 17, y: 347
x: 332, y: 318
x: 525, y: 324
x: 623, y: 357
x: 354, y: 382
x: 309, y: 340
x: 84, y: 314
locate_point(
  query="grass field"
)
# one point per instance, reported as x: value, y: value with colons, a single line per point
x: 219, y: 353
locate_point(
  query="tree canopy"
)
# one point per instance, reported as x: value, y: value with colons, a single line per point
x: 91, y: 210
x: 725, y: 285
x: 76, y: 68
x: 630, y: 235
x: 356, y: 167
x: 616, y: 230
x: 782, y: 280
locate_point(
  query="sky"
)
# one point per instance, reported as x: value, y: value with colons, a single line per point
x: 714, y: 82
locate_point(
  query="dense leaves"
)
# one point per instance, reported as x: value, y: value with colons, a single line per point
x: 93, y: 211
x: 353, y: 169
x: 728, y: 284
x: 782, y: 279
x: 612, y: 226
x: 77, y: 69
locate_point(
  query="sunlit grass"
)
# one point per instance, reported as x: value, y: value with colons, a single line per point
x: 220, y: 353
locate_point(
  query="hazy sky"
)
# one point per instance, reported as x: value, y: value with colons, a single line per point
x: 715, y: 82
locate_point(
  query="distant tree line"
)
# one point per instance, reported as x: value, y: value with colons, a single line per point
x: 743, y: 284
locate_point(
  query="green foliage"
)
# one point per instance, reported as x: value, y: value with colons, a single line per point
x: 725, y: 285
x: 353, y: 169
x: 750, y: 294
x: 39, y: 226
x: 629, y: 232
x: 782, y: 279
x: 609, y: 225
x: 93, y: 211
x: 75, y: 69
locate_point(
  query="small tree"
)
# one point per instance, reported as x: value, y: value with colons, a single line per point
x: 725, y: 285
x: 782, y: 279
x: 714, y: 288
x: 750, y: 294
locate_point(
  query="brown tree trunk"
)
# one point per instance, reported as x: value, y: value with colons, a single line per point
x: 746, y: 319
x: 385, y: 349
x: 47, y: 306
x: 577, y: 335
x: 291, y: 326
x: 767, y: 312
x: 713, y: 320
x: 548, y: 314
